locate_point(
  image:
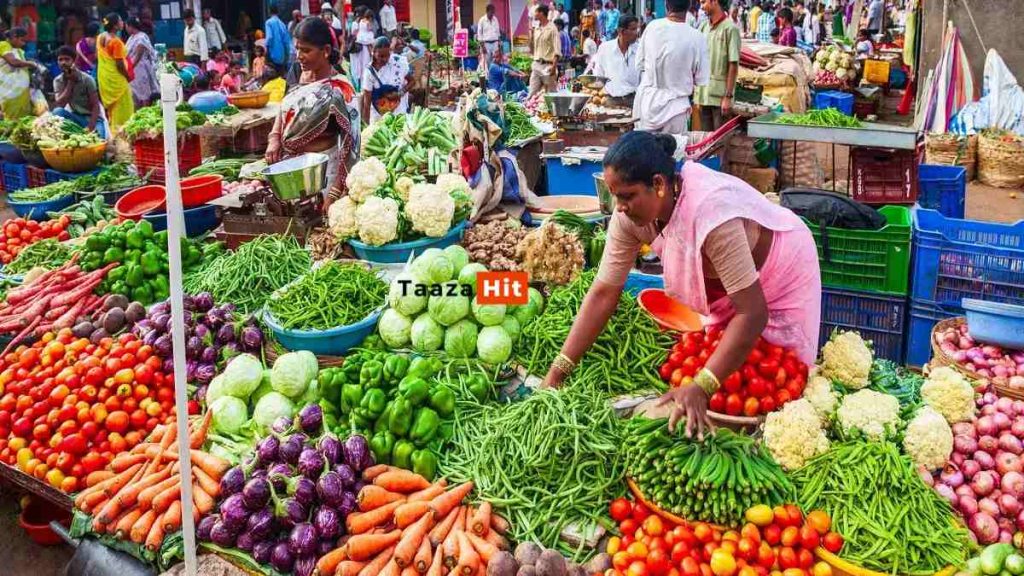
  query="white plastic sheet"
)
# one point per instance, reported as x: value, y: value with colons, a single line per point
x: 1001, y: 104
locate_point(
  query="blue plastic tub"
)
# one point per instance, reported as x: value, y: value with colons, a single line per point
x: 879, y: 318
x: 942, y: 188
x: 714, y: 162
x: 52, y: 175
x: 198, y: 220
x: 333, y: 342
x: 399, y: 252
x: 637, y: 282
x: 10, y: 153
x: 923, y: 318
x: 995, y: 323
x: 576, y: 178
x: 37, y: 210
x: 15, y: 176
x: 841, y: 101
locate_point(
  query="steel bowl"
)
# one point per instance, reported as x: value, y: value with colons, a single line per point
x: 298, y: 177
x: 604, y: 195
x: 592, y: 82
x: 566, y: 104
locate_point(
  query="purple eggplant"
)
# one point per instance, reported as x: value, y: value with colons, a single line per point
x: 331, y: 448
x: 252, y: 338
x: 193, y: 347
x: 203, y: 301
x: 349, y: 504
x: 245, y: 541
x: 221, y: 535
x: 256, y: 494
x: 311, y: 463
x: 259, y: 473
x: 281, y: 425
x: 326, y: 521
x: 160, y: 308
x: 162, y: 346
x: 209, y: 355
x: 290, y: 512
x: 303, y: 539
x: 330, y: 488
x: 278, y: 474
x: 205, y: 526
x: 281, y: 558
x: 262, y: 550
x: 214, y: 319
x: 325, y: 547
x: 260, y: 524
x: 226, y: 333
x: 200, y: 394
x: 291, y: 448
x: 161, y: 322
x: 205, y: 373
x: 190, y: 370
x: 357, y: 453
x: 347, y: 475
x: 228, y: 308
x: 229, y: 351
x: 188, y: 302
x: 359, y: 486
x: 302, y: 489
x: 304, y: 565
x: 150, y: 338
x: 203, y: 333
x: 233, y: 513
x: 310, y: 418
x: 266, y: 450
x: 232, y: 482
x: 168, y: 365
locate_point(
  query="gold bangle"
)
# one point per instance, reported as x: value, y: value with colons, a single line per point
x: 707, y: 381
x: 563, y: 364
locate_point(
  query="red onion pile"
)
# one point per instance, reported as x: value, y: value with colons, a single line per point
x: 1001, y: 366
x: 984, y: 478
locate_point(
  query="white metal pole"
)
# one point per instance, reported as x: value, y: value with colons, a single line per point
x: 169, y: 86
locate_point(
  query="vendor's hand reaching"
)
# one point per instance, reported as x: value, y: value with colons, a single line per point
x: 689, y: 401
x: 273, y: 153
x: 553, y: 379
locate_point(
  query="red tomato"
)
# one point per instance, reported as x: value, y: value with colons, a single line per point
x: 787, y: 558
x: 620, y: 509
x: 680, y: 551
x: 754, y: 357
x: 676, y: 359
x: 733, y: 405
x: 717, y: 402
x: 747, y: 549
x: 676, y: 379
x: 782, y: 396
x: 665, y: 371
x: 733, y: 383
x: 767, y: 404
x: 796, y: 516
x: 658, y: 562
x: 765, y: 555
x: 751, y: 406
x: 117, y: 422
x: 628, y: 526
x: 640, y: 512
x: 809, y: 538
x: 690, y: 567
x: 74, y: 444
x: 805, y: 558
x: 791, y: 536
x: 832, y: 542
x: 138, y: 419
x: 772, y: 534
x: 684, y: 534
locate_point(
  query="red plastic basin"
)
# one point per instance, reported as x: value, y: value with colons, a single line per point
x: 668, y: 312
x: 198, y: 190
x: 144, y: 199
x: 35, y: 520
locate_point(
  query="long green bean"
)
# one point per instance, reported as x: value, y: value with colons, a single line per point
x: 827, y: 117
x: 47, y: 253
x: 332, y: 295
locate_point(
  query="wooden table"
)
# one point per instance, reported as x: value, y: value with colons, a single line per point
x: 35, y: 487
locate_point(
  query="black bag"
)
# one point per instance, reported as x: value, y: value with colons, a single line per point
x: 826, y: 209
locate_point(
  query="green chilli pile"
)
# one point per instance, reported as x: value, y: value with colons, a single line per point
x: 331, y: 295
x: 715, y: 480
x: 891, y: 520
x: 625, y: 357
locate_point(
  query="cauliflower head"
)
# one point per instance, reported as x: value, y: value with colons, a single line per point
x: 847, y: 358
x: 928, y: 439
x: 950, y: 394
x: 450, y: 182
x: 341, y: 218
x: 822, y: 397
x: 430, y: 209
x: 794, y: 434
x: 402, y: 187
x: 875, y: 414
x: 365, y: 178
x: 378, y: 220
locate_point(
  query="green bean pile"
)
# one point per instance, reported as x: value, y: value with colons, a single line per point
x: 332, y: 295
x: 547, y: 461
x: 49, y: 254
x: 248, y: 275
x: 519, y: 127
x: 625, y: 357
x: 826, y: 117
x: 46, y: 193
x: 891, y: 520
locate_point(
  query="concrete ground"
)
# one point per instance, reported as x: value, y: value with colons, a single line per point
x: 20, y: 556
x: 994, y: 204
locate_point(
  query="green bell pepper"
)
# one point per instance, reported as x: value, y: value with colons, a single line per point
x: 424, y: 463
x: 479, y: 386
x: 401, y: 455
x: 351, y: 369
x: 142, y: 294
x: 401, y: 416
x: 116, y: 274
x: 371, y: 374
x: 374, y: 401
x: 442, y: 400
x: 414, y: 389
x: 395, y: 368
x: 133, y: 276
x: 113, y: 254
x: 145, y: 227
x: 422, y: 367
x: 384, y: 420
x: 161, y: 288
x: 382, y: 444
x: 150, y: 263
x: 97, y: 243
x: 361, y: 419
x: 134, y: 239
x: 351, y: 397
x: 424, y: 426
x: 160, y: 239
x: 118, y: 288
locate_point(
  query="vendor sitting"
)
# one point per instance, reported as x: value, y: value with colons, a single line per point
x: 616, y: 60
x: 75, y: 94
x: 747, y: 266
x: 501, y: 76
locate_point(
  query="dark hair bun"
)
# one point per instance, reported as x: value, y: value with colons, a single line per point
x: 666, y: 142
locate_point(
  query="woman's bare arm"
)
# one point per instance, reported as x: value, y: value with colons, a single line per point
x: 598, y: 306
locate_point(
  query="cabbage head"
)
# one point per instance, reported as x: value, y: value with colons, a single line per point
x: 458, y: 256
x: 292, y: 374
x: 467, y: 275
x: 394, y: 328
x: 229, y: 414
x: 460, y: 339
x: 493, y: 345
x: 524, y: 313
x: 448, y: 310
x: 511, y: 326
x: 488, y: 314
x: 263, y: 389
x: 270, y: 407
x: 426, y: 334
x: 215, y: 389
x: 242, y: 376
x: 432, y: 267
x: 405, y: 299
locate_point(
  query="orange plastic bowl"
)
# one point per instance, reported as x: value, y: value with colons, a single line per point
x: 668, y: 312
x: 140, y: 201
x: 198, y: 190
x: 35, y: 520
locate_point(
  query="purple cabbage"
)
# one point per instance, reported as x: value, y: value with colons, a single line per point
x: 349, y: 504
x: 302, y: 489
x: 252, y: 338
x: 347, y: 476
x: 203, y: 301
x: 256, y: 494
x: 357, y: 453
x: 262, y: 550
x: 330, y: 488
x: 205, y: 373
x: 209, y: 355
x: 221, y: 535
x: 205, y: 526
x: 311, y: 418
x: 245, y: 541
x: 266, y: 450
x: 260, y: 524
x: 291, y: 448
x: 281, y: 558
x: 305, y: 565
x: 232, y: 482
x: 332, y: 449
x: 326, y: 521
x: 303, y: 539
x: 311, y: 463
x: 233, y: 513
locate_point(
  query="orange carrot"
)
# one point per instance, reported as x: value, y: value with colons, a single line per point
x: 403, y: 481
x: 164, y: 499
x: 469, y: 560
x: 437, y: 563
x: 133, y: 474
x: 125, y: 523
x: 98, y: 476
x: 409, y: 571
x: 165, y: 443
x: 410, y: 512
x: 209, y: 485
x: 371, y: 497
x: 444, y: 503
x: 373, y: 471
x: 363, y: 547
x: 155, y: 536
x: 481, y: 521
x: 92, y: 501
x: 126, y: 461
x: 421, y: 561
x: 499, y: 524
x: 142, y: 526
x: 451, y: 541
x: 429, y: 493
x: 203, y: 501
x: 391, y: 569
x: 360, y: 522
x: 411, y: 538
x: 375, y: 566
x: 328, y: 563
x: 485, y: 549
x: 441, y: 530
x: 120, y: 479
x: 197, y: 437
x: 215, y: 467
x: 497, y: 540
x: 127, y: 497
x: 172, y: 516
x: 145, y: 499
x: 349, y: 568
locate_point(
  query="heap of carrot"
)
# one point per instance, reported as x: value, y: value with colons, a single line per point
x: 138, y: 497
x: 407, y: 526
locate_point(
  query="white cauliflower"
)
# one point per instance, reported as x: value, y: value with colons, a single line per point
x: 820, y: 394
x: 378, y: 220
x: 341, y: 218
x: 430, y: 209
x: 928, y: 439
x: 875, y: 414
x: 950, y: 394
x: 402, y: 187
x: 794, y: 434
x: 452, y: 182
x: 365, y: 178
x: 846, y: 358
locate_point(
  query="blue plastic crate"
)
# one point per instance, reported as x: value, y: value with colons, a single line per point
x: 52, y: 175
x: 15, y: 176
x: 942, y: 188
x: 572, y: 178
x: 956, y: 259
x: 638, y: 281
x: 714, y: 162
x: 841, y: 101
x: 923, y: 318
x: 878, y: 317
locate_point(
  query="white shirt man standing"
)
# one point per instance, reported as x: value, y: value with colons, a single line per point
x: 194, y: 45
x: 215, y: 37
x: 488, y: 33
x: 388, y: 19
x: 616, y: 60
x: 546, y: 48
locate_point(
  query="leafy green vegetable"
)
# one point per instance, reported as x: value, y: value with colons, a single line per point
x: 242, y: 376
x: 827, y: 117
x: 148, y: 122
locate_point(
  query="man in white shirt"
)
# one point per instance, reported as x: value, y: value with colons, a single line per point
x: 563, y: 14
x: 488, y: 33
x: 388, y: 19
x: 672, y: 58
x: 215, y: 37
x: 875, y: 10
x: 616, y: 60
x: 194, y: 45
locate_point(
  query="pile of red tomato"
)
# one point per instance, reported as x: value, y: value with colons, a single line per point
x: 68, y: 406
x: 770, y: 376
x: 17, y: 233
x: 775, y: 542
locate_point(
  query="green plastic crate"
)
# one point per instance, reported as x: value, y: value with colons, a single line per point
x: 871, y: 260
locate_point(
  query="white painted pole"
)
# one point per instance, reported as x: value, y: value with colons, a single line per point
x: 169, y: 86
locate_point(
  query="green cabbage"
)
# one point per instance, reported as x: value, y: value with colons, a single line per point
x: 394, y: 328
x: 229, y: 414
x: 263, y: 389
x: 488, y: 314
x: 467, y: 275
x: 458, y: 256
x: 270, y: 407
x: 215, y: 389
x: 292, y: 373
x: 511, y: 326
x: 403, y: 297
x: 460, y: 339
x: 448, y: 310
x: 426, y: 334
x: 534, y: 307
x: 494, y: 345
x: 432, y: 267
x: 242, y: 376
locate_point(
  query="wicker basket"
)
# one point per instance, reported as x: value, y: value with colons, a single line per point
x: 75, y: 159
x: 746, y: 424
x: 271, y: 351
x: 952, y: 150
x: 841, y: 567
x: 255, y: 99
x: 940, y: 358
x: 1001, y: 159
x: 663, y: 514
